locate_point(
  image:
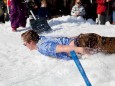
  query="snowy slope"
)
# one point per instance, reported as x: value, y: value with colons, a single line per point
x: 20, y: 67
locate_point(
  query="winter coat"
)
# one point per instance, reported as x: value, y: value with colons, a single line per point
x: 76, y: 9
x: 18, y: 13
x: 8, y: 3
x: 43, y: 12
x: 101, y: 6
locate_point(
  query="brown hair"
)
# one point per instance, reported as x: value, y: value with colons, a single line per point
x: 44, y: 2
x: 30, y: 35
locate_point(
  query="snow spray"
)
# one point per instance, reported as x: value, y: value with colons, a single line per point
x: 79, y: 66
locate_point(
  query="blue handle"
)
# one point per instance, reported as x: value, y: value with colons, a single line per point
x: 79, y: 66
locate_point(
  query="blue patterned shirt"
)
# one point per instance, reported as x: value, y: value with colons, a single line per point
x: 47, y: 46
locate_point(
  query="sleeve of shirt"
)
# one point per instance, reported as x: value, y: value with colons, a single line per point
x: 49, y: 49
x: 82, y: 11
x: 73, y: 11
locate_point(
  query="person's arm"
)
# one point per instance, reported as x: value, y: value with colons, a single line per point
x: 82, y: 11
x: 67, y: 49
x: 73, y: 13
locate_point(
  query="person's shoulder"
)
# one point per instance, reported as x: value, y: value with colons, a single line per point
x: 75, y: 5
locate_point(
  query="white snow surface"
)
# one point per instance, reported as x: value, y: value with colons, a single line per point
x: 21, y: 67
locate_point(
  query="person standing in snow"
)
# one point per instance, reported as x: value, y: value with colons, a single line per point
x: 104, y: 11
x: 43, y: 11
x: 18, y: 14
x: 78, y: 9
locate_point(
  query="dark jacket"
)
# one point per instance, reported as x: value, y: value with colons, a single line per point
x: 43, y: 12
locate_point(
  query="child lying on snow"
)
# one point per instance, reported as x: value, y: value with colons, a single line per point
x: 60, y: 47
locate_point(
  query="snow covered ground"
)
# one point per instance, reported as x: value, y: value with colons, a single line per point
x: 20, y: 67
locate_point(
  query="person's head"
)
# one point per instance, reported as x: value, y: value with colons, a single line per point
x: 43, y: 3
x: 30, y: 39
x: 78, y: 2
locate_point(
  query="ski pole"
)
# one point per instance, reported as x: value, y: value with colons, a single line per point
x: 79, y: 66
